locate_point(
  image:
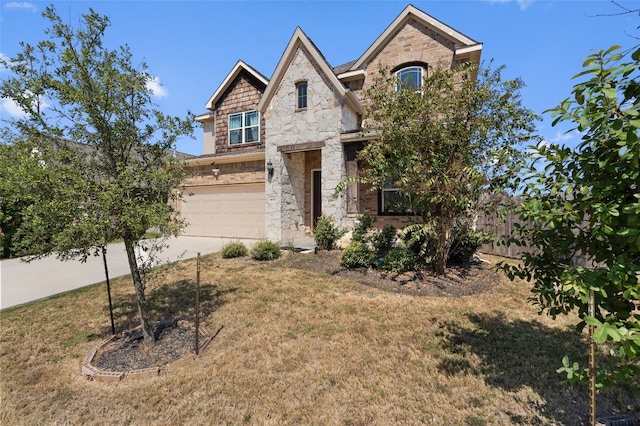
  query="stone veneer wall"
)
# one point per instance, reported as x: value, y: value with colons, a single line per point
x: 413, y: 43
x: 322, y: 121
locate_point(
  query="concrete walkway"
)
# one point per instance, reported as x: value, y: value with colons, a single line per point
x: 22, y: 282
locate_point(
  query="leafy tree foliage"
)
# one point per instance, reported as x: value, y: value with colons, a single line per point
x: 105, y: 167
x: 446, y: 145
x: 585, y: 204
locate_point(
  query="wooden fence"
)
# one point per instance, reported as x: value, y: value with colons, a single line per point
x: 502, y: 228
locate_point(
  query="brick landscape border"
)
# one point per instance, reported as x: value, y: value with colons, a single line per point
x: 91, y: 372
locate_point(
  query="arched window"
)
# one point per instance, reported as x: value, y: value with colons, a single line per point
x: 410, y: 77
x: 301, y: 92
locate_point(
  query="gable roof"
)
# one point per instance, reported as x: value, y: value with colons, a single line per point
x: 300, y: 39
x: 230, y: 78
x: 463, y: 44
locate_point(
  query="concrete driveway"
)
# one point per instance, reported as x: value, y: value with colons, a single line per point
x: 22, y: 282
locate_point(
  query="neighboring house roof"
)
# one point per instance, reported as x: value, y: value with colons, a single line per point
x: 463, y: 44
x: 300, y: 39
x: 230, y: 78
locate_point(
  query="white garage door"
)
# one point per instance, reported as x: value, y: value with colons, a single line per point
x: 235, y: 211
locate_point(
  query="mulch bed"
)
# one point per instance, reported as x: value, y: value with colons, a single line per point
x: 460, y: 280
x: 130, y: 352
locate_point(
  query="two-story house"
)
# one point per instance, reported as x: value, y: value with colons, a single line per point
x: 275, y: 149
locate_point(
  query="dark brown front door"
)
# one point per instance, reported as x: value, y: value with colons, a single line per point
x: 317, y: 197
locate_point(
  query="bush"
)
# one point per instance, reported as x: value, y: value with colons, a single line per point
x: 234, y: 249
x: 357, y: 255
x: 465, y: 242
x: 365, y: 221
x: 384, y: 240
x: 265, y: 250
x: 399, y: 260
x: 420, y: 239
x: 326, y: 233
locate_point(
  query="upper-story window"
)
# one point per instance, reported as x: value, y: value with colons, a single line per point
x: 410, y: 77
x: 244, y: 127
x: 301, y: 92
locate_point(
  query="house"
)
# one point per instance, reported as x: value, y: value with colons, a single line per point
x: 275, y: 149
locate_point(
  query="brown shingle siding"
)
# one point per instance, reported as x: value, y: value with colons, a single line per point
x: 242, y: 95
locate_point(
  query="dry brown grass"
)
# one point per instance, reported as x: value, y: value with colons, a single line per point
x: 296, y: 347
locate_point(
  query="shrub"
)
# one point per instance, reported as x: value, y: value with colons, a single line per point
x: 399, y: 260
x: 357, y: 255
x: 326, y: 233
x: 420, y: 238
x: 365, y: 221
x: 465, y: 242
x: 384, y: 240
x: 234, y: 249
x: 265, y: 250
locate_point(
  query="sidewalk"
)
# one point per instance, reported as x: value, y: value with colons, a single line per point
x: 22, y: 282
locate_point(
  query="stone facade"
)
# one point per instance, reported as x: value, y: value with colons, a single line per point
x: 288, y: 213
x: 322, y: 137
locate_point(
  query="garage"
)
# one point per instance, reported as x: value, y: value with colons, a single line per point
x: 229, y: 211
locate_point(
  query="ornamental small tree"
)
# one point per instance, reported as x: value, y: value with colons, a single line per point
x: 445, y: 146
x: 584, y: 207
x: 105, y: 164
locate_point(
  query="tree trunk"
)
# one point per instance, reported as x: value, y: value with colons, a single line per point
x: 141, y: 300
x: 443, y: 229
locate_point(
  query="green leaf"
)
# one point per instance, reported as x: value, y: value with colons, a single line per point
x: 600, y: 334
x: 592, y: 321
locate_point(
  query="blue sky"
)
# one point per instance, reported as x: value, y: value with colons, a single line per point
x: 190, y: 46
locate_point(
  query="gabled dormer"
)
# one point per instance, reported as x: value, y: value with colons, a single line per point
x: 233, y: 123
x: 411, y: 45
x: 304, y: 73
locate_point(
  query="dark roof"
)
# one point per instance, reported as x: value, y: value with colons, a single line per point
x: 344, y: 67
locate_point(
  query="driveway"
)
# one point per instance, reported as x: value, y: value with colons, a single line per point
x: 22, y: 282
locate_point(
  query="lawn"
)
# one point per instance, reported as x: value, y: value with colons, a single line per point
x: 300, y: 347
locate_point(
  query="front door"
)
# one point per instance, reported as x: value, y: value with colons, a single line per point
x: 316, y: 203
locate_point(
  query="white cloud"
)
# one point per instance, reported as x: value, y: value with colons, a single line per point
x: 5, y: 58
x: 23, y: 5
x: 157, y: 89
x: 9, y: 107
x: 524, y: 4
x: 562, y: 138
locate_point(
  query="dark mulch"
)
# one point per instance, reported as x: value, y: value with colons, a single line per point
x: 460, y: 280
x: 130, y: 352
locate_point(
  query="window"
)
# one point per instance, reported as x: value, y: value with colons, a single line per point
x: 301, y: 91
x: 244, y: 127
x: 390, y: 198
x: 392, y: 202
x: 410, y: 77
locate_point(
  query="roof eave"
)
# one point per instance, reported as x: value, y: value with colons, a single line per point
x: 299, y: 38
x: 409, y: 12
x: 235, y: 71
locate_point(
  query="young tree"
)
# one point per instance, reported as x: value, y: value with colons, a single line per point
x: 106, y: 166
x: 446, y: 145
x: 584, y: 205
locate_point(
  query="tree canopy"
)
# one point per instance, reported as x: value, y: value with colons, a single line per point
x: 105, y: 161
x: 583, y: 205
x: 446, y: 145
